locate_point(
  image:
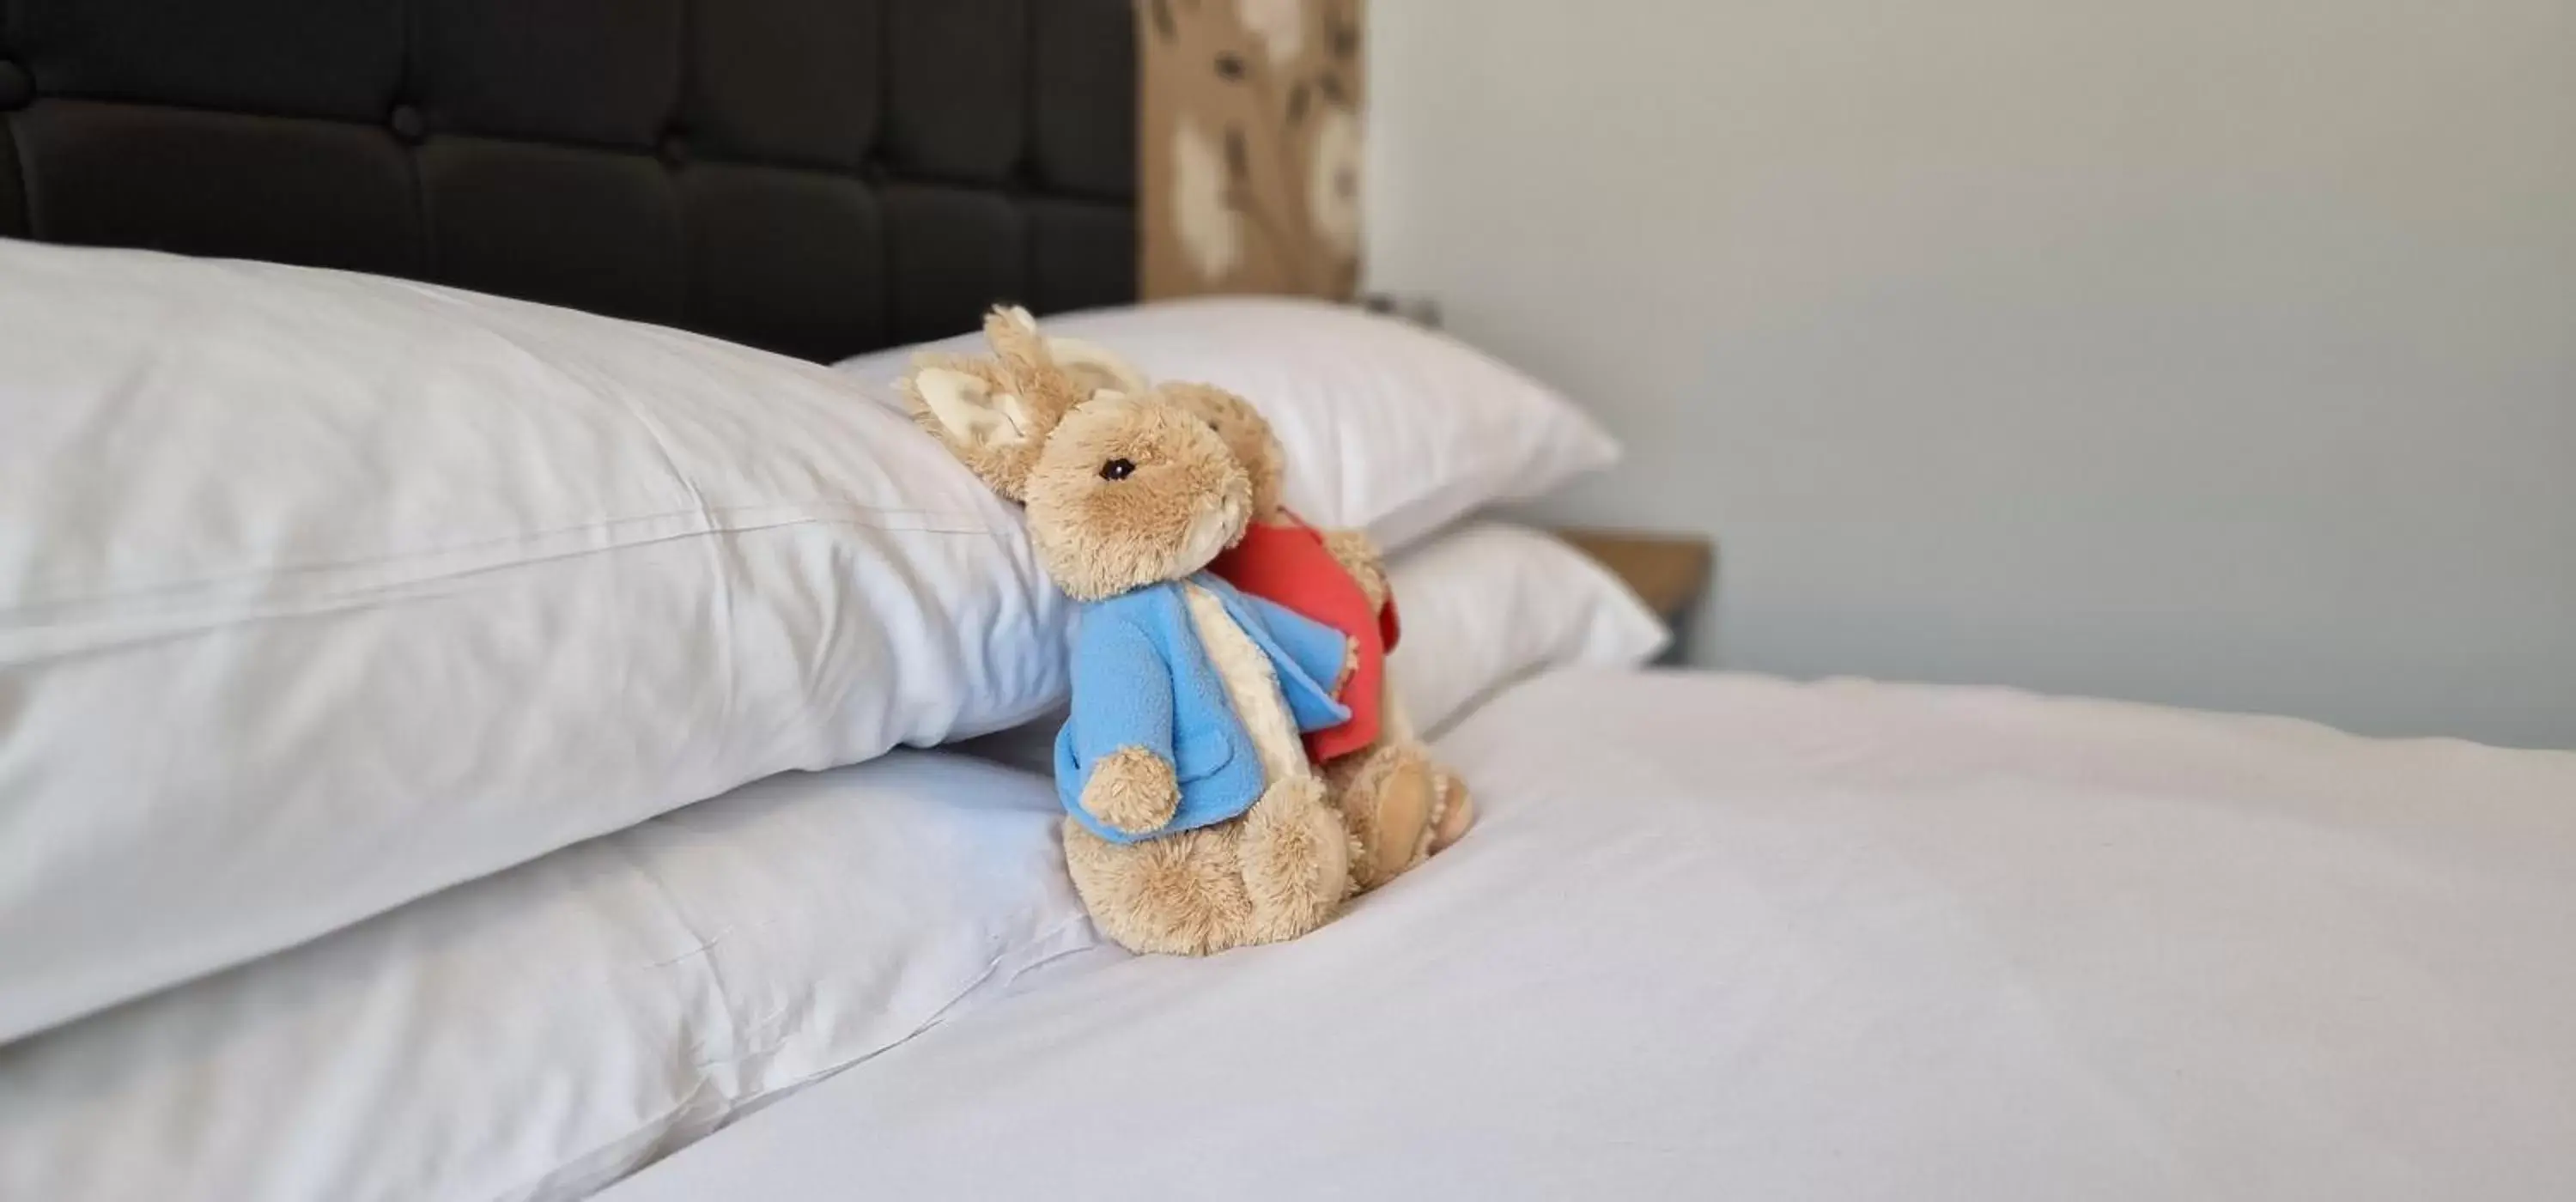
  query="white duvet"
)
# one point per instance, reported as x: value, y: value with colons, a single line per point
x: 1730, y: 937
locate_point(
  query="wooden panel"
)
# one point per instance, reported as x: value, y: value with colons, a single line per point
x: 1249, y: 146
x: 1668, y: 571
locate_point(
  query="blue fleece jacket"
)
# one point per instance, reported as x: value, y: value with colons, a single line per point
x: 1141, y: 678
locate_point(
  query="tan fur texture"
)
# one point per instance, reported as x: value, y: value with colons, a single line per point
x: 1246, y: 433
x: 1272, y: 875
x: 1454, y: 811
x: 995, y: 414
x: 1358, y: 555
x: 1121, y: 493
x: 1094, y: 367
x: 1132, y: 790
x: 1398, y: 804
x: 1296, y: 858
x: 1000, y: 458
x: 1388, y: 794
x: 1181, y: 500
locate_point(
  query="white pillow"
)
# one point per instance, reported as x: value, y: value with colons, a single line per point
x: 1387, y: 426
x: 542, y: 1032
x: 1487, y: 605
x: 320, y: 591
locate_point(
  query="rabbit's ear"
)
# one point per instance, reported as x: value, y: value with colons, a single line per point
x: 1013, y: 335
x: 972, y: 411
x: 1094, y: 367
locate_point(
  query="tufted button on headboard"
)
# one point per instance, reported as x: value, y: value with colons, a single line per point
x: 820, y: 177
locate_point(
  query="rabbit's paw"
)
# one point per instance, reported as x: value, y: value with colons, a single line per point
x: 1359, y: 557
x: 1455, y: 812
x: 1388, y: 797
x: 1132, y: 790
x: 1296, y: 858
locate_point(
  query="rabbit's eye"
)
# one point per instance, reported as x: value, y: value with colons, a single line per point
x: 1117, y: 469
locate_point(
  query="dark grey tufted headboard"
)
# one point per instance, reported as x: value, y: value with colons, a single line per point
x: 820, y: 177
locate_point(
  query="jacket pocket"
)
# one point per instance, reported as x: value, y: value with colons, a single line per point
x: 1200, y: 754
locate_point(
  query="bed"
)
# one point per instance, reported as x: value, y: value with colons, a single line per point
x: 1725, y: 936
x: 1712, y: 935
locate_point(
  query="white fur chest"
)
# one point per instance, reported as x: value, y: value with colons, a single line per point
x: 1249, y: 684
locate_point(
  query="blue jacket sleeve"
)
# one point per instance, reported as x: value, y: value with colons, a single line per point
x: 1122, y: 693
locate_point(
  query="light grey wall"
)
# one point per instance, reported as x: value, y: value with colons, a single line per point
x: 2216, y: 352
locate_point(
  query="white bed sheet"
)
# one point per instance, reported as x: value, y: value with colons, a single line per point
x: 1731, y: 937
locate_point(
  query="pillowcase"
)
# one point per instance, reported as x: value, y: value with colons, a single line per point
x: 320, y: 591
x: 541, y: 1032
x: 1490, y: 604
x: 1387, y: 426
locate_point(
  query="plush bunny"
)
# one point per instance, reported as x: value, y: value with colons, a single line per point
x: 1194, y: 821
x: 1399, y: 804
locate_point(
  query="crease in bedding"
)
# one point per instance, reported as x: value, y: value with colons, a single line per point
x: 711, y: 1106
x: 480, y: 558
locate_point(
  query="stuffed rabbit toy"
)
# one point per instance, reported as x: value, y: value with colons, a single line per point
x: 1399, y: 804
x: 1194, y: 821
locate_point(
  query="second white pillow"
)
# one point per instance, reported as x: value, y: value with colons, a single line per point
x: 1387, y: 426
x: 538, y: 1033
x: 1487, y: 605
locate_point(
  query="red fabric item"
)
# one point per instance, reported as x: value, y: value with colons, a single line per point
x: 1287, y: 563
